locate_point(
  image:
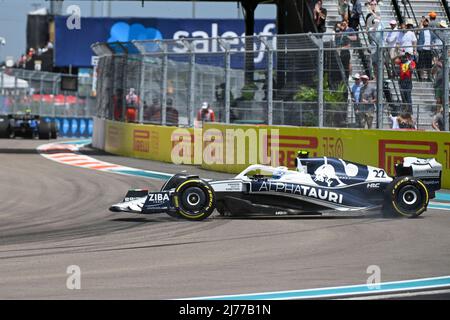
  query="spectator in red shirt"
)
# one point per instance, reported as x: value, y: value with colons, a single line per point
x: 205, y: 114
x: 132, y: 100
x: 407, y: 66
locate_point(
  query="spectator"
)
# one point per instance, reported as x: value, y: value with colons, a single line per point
x: 205, y: 114
x: 356, y: 93
x: 337, y: 37
x: 439, y: 34
x: 31, y: 53
x: 402, y: 121
x: 347, y: 37
x: 400, y: 35
x: 438, y: 119
x: 355, y: 14
x: 391, y: 39
x: 132, y: 103
x: 321, y: 26
x: 317, y: 12
x: 438, y: 73
x: 372, y: 18
x: 407, y: 65
x: 424, y: 50
x: 343, y: 9
x: 367, y: 100
x: 433, y: 22
x: 409, y: 40
x: 171, y: 114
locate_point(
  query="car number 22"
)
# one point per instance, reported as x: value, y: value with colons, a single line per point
x: 379, y: 173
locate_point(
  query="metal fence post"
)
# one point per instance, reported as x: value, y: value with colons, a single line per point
x: 226, y: 46
x: 446, y: 84
x: 191, y: 94
x: 55, y: 90
x: 320, y: 61
x: 269, y: 81
x: 380, y: 73
x: 41, y: 90
x: 227, y: 85
x: 2, y: 81
x: 141, y: 90
x: 164, y: 66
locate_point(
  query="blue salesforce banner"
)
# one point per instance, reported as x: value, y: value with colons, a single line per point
x: 73, y: 46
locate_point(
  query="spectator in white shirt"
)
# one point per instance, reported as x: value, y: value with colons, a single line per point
x: 391, y: 39
x: 409, y: 40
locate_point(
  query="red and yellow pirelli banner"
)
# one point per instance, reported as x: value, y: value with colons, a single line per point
x: 381, y: 148
x: 231, y: 148
x: 143, y: 141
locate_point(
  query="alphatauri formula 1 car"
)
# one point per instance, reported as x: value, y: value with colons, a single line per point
x: 318, y: 186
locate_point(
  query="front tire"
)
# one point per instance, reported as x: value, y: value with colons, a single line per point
x: 406, y: 197
x: 195, y: 200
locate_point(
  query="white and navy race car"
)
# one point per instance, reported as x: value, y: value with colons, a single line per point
x: 318, y: 186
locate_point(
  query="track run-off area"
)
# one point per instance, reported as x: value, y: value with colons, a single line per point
x: 55, y: 215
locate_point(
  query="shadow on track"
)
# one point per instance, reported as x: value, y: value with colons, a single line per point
x: 18, y: 151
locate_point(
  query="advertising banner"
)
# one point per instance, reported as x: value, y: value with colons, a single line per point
x: 231, y: 148
x: 73, y: 45
x: 141, y: 141
x: 73, y: 127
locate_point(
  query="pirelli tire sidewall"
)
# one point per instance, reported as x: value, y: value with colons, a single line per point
x: 407, y: 189
x: 207, y: 198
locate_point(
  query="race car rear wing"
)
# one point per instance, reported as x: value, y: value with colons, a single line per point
x: 429, y: 171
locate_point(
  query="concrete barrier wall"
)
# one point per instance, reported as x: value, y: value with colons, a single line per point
x: 231, y: 148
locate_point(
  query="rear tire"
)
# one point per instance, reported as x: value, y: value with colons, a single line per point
x: 4, y: 130
x: 44, y: 130
x: 406, y: 197
x: 195, y: 200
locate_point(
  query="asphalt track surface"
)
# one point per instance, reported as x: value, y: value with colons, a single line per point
x: 53, y: 216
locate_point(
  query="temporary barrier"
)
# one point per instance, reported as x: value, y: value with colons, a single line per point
x: 230, y: 148
x: 73, y: 127
x: 98, y: 135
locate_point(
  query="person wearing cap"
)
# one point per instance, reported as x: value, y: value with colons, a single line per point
x: 356, y: 93
x: 409, y: 40
x: 433, y: 22
x: 205, y: 114
x: 367, y: 100
x: 392, y: 38
x: 424, y: 50
x: 438, y: 35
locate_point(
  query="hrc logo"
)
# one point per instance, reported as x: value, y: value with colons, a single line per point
x: 141, y: 141
x: 391, y: 152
